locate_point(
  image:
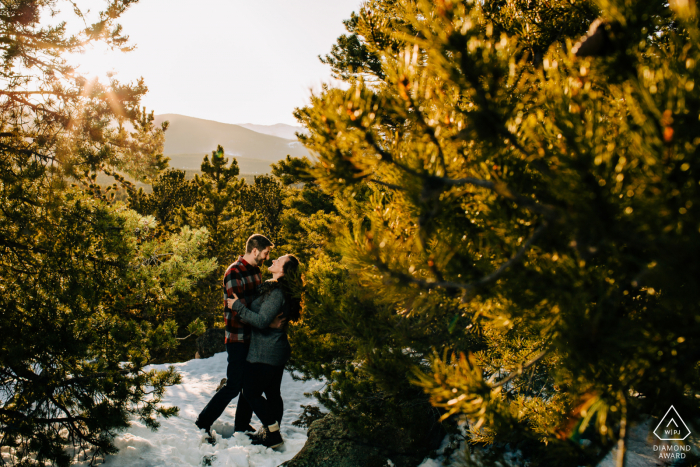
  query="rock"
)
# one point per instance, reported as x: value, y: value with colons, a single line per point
x: 332, y: 444
x: 210, y: 343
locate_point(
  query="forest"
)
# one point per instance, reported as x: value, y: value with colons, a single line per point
x: 499, y: 229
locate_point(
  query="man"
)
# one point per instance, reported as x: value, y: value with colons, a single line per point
x: 242, y: 278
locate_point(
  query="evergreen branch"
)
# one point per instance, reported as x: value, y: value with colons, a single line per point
x: 25, y: 373
x: 388, y: 185
x: 71, y: 420
x: 17, y: 271
x: 431, y: 132
x: 152, y: 260
x: 468, y: 181
x: 102, y: 374
x: 30, y: 93
x: 16, y: 414
x: 27, y: 152
x: 505, y: 266
x: 50, y: 66
x: 34, y: 107
x: 78, y: 12
x: 98, y: 260
x: 422, y: 221
x: 38, y: 44
x: 386, y: 155
x: 15, y: 245
x: 483, y: 101
x: 502, y: 190
x: 521, y: 367
x: 449, y: 285
x: 513, y: 141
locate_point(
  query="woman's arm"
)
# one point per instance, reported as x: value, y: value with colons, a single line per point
x: 270, y: 308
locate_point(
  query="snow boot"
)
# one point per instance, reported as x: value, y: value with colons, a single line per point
x: 256, y: 435
x: 209, y: 438
x: 270, y: 437
x: 245, y: 429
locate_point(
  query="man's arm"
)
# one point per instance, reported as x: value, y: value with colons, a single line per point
x: 233, y: 284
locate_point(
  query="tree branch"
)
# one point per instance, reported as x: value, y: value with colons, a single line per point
x: 29, y: 93
x: 472, y: 285
x: 386, y: 156
x: 498, y: 188
x: 34, y: 107
x: 501, y: 189
x: 71, y: 421
x: 16, y: 414
x: 521, y: 367
x: 102, y: 374
x: 388, y: 185
x: 431, y: 132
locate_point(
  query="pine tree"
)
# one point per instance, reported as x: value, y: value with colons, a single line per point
x: 528, y: 203
x: 83, y: 279
x: 308, y: 218
x: 219, y: 210
x: 171, y: 191
x: 265, y: 198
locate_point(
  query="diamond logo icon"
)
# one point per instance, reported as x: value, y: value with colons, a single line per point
x: 672, y: 427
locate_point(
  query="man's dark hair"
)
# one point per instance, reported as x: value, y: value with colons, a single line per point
x: 257, y: 241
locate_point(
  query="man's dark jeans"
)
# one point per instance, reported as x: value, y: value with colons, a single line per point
x: 237, y: 354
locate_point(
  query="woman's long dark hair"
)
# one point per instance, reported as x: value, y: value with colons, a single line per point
x: 291, y: 284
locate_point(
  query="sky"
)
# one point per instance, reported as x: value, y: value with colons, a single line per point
x: 232, y: 61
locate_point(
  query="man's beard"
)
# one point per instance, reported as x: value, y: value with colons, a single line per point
x: 259, y: 259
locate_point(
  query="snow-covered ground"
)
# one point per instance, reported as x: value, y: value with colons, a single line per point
x: 178, y: 442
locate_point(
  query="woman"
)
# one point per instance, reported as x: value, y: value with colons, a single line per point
x: 269, y: 348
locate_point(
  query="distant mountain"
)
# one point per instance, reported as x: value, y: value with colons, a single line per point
x: 280, y: 130
x: 188, y: 139
x: 193, y: 162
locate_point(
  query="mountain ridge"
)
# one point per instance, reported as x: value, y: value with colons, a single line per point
x: 189, y: 139
x: 281, y: 130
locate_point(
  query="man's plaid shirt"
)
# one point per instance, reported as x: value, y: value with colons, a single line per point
x: 241, y: 279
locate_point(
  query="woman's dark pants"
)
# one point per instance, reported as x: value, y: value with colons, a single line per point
x: 237, y: 354
x: 261, y: 378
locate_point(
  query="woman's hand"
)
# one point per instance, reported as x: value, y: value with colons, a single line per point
x: 278, y: 322
x: 231, y: 301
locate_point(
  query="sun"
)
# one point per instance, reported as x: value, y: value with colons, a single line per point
x: 97, y: 61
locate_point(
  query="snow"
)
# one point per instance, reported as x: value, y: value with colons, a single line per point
x: 178, y: 442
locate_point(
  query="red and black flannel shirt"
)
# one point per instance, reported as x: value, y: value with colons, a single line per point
x: 241, y: 279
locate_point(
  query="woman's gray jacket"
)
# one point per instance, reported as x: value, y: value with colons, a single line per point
x: 267, y: 345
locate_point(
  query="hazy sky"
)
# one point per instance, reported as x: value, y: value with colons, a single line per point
x: 232, y: 61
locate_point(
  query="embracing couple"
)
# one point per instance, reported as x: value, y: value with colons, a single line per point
x: 256, y: 316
